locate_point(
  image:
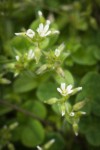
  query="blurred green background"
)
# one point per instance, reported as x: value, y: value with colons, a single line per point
x: 79, y: 25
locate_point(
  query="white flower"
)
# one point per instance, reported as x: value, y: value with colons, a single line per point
x: 39, y: 148
x: 76, y: 133
x: 72, y: 114
x: 57, y: 52
x: 43, y: 30
x: 63, y: 90
x: 30, y: 33
x: 17, y: 58
x: 39, y: 13
x: 30, y: 54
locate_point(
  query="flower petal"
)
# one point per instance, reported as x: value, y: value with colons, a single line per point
x: 59, y: 90
x: 63, y: 85
x: 30, y: 33
x: 49, y: 32
x: 40, y: 13
x: 46, y: 27
x: 69, y: 89
x: 40, y: 28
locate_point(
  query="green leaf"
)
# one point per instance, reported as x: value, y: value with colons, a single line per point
x: 34, y: 25
x: 93, y: 133
x: 37, y: 108
x: 90, y: 126
x: 97, y: 52
x: 79, y: 105
x: 19, y: 43
x: 91, y: 86
x: 84, y: 56
x: 24, y: 83
x: 32, y: 134
x: 4, y: 110
x: 47, y: 90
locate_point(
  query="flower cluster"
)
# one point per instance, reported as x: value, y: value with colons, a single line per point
x: 29, y: 56
x: 42, y: 31
x: 64, y: 91
x: 51, y: 60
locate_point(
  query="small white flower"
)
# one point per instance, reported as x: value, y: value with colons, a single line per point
x: 30, y: 33
x: 72, y: 114
x: 43, y: 30
x: 63, y: 90
x: 76, y: 133
x: 30, y: 54
x: 39, y: 148
x: 17, y: 58
x: 57, y: 52
x: 39, y: 13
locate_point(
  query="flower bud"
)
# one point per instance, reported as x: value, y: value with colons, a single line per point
x: 75, y: 128
x: 78, y: 105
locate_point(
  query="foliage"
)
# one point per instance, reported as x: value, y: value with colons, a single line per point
x: 49, y: 79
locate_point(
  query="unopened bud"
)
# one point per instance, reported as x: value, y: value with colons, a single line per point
x: 75, y: 128
x: 78, y: 105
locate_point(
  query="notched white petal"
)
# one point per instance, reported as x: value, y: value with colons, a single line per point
x: 59, y: 90
x: 69, y: 89
x: 63, y: 85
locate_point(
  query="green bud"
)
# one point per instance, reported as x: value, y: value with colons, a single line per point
x: 68, y: 107
x: 41, y: 17
x: 80, y: 113
x: 13, y: 126
x: 48, y: 144
x: 37, y: 53
x: 52, y: 101
x: 76, y: 90
x: 78, y: 105
x: 4, y: 81
x: 75, y: 128
x: 62, y: 108
x: 60, y: 72
x: 41, y: 69
x: 10, y: 146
